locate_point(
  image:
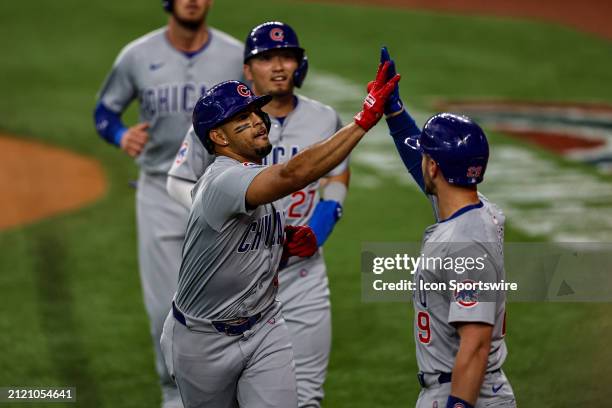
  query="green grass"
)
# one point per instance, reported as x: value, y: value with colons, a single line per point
x: 72, y: 308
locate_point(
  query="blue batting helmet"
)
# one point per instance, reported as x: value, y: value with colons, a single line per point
x: 222, y: 102
x: 272, y: 35
x: 457, y: 144
x: 167, y: 5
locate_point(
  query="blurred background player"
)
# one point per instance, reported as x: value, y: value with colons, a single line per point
x: 275, y: 63
x: 226, y: 341
x: 459, y: 339
x: 166, y: 70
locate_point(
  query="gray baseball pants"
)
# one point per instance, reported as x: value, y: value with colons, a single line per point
x: 161, y: 230
x: 214, y: 370
x: 304, y: 294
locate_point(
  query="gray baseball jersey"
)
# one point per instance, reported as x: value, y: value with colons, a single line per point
x: 303, y: 290
x: 231, y: 253
x: 310, y: 122
x: 473, y: 232
x: 167, y: 84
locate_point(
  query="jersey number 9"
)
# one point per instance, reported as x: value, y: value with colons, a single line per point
x: 424, y: 332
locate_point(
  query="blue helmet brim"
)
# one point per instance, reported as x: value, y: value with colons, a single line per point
x: 257, y: 101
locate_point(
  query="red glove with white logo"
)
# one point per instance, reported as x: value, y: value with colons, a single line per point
x: 374, y: 104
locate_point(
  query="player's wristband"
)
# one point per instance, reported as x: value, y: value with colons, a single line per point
x: 119, y: 135
x: 454, y: 402
x: 324, y: 217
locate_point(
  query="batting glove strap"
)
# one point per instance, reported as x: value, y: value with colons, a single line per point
x: 325, y: 216
x: 454, y: 402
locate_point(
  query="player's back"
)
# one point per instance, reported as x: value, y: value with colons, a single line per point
x: 477, y: 233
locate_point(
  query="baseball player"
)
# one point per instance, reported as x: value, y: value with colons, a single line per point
x: 226, y: 341
x: 274, y: 62
x: 166, y: 70
x: 459, y: 334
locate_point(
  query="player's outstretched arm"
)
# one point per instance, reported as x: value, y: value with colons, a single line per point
x: 402, y: 127
x: 307, y: 166
x: 471, y: 362
x: 311, y: 164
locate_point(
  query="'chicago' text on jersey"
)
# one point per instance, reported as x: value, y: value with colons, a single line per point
x: 271, y: 230
x: 168, y: 99
x: 280, y: 154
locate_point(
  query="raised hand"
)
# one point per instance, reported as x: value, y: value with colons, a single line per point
x: 394, y: 104
x: 379, y: 91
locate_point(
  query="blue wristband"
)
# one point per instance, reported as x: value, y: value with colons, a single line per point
x: 454, y: 402
x: 324, y: 217
x: 119, y: 135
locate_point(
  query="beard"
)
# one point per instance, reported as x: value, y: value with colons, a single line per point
x: 262, y: 152
x: 430, y: 187
x: 190, y: 24
x: 281, y: 92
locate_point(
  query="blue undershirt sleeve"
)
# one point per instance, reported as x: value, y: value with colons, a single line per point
x: 402, y: 127
x: 108, y: 124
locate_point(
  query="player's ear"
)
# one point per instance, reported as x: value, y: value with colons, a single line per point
x: 246, y: 71
x: 431, y: 167
x: 218, y: 137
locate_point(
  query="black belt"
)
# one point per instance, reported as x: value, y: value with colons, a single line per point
x: 231, y: 328
x: 443, y: 378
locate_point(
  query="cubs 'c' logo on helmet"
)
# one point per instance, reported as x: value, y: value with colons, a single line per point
x: 277, y: 34
x: 243, y: 90
x: 474, y: 171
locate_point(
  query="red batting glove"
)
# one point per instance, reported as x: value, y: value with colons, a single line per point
x: 374, y: 103
x: 300, y: 241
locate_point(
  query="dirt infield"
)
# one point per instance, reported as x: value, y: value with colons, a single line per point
x: 592, y: 16
x: 38, y: 181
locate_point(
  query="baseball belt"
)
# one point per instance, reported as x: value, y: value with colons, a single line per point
x: 234, y: 327
x: 426, y: 380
